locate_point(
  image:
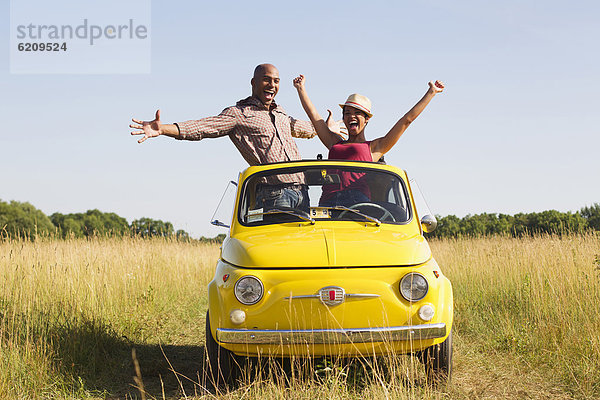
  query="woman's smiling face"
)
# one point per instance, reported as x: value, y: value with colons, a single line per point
x: 355, y: 120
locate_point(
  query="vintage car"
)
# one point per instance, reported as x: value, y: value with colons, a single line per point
x: 344, y: 280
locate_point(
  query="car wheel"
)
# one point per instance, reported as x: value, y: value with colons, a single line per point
x: 222, y: 364
x: 438, y: 360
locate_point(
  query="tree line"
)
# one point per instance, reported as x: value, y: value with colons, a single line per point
x: 545, y: 222
x: 19, y: 219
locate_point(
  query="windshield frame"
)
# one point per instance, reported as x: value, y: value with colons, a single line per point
x: 404, y: 192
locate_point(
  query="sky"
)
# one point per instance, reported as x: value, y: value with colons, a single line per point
x: 516, y: 129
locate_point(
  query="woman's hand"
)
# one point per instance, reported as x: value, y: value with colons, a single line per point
x: 299, y: 82
x: 336, y: 127
x: 437, y: 86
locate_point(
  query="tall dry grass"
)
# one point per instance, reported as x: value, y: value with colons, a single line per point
x: 533, y: 300
x: 69, y: 307
x: 526, y: 323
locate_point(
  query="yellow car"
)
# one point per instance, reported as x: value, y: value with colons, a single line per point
x: 346, y: 271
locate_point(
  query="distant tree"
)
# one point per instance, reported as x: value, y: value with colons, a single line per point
x: 105, y: 223
x: 182, y: 235
x: 22, y: 219
x: 504, y: 224
x: 147, y: 227
x: 551, y: 221
x: 521, y: 224
x: 448, y: 226
x: 478, y: 225
x: 90, y: 223
x: 217, y: 239
x: 67, y: 225
x: 592, y: 215
x: 556, y: 222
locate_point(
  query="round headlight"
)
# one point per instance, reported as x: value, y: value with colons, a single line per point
x: 413, y: 286
x: 248, y: 290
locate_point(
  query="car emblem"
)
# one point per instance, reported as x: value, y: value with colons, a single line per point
x: 332, y: 295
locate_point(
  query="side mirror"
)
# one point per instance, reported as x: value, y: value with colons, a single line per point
x: 216, y: 222
x: 428, y: 223
x: 230, y: 192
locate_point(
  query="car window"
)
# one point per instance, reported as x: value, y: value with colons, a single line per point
x: 324, y: 193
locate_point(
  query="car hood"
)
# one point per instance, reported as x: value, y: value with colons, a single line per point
x: 317, y: 247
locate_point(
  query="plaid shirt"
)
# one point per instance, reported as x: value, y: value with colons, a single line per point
x: 261, y: 135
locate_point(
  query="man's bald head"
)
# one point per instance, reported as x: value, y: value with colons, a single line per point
x: 261, y: 69
x: 265, y: 83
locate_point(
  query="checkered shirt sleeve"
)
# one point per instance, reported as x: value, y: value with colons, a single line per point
x: 210, y: 127
x: 261, y: 135
x: 302, y: 129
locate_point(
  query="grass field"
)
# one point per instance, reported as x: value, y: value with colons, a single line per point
x: 527, y: 323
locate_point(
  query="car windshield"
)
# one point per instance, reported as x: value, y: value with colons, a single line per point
x: 310, y: 194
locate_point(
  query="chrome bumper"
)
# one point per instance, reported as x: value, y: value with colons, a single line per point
x: 332, y: 336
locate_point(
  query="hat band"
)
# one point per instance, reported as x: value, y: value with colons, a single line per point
x: 359, y: 106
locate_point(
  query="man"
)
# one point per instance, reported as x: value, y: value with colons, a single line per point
x: 259, y: 128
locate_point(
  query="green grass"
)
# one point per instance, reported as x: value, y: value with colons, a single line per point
x: 526, y: 324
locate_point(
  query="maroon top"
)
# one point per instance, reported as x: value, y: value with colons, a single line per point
x: 348, y: 180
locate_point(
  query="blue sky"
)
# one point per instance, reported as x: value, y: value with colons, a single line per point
x: 515, y: 131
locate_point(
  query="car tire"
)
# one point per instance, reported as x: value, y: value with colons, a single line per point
x: 222, y: 364
x: 438, y: 360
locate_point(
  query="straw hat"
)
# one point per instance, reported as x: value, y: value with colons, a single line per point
x: 360, y: 102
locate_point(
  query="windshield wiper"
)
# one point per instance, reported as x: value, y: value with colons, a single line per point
x: 342, y: 208
x: 303, y: 215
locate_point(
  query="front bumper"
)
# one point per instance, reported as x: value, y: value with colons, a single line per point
x: 332, y: 336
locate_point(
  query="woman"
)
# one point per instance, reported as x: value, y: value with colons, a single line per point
x: 356, y: 114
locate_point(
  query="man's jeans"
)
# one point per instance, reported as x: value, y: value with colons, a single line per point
x: 345, y: 198
x: 295, y: 196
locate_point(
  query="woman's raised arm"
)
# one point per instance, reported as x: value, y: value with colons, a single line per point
x: 384, y: 144
x: 327, y: 136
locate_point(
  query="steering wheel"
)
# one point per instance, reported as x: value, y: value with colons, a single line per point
x: 357, y: 206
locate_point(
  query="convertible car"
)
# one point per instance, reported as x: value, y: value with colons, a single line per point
x: 338, y: 275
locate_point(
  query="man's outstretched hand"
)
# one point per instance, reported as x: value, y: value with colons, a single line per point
x: 149, y: 129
